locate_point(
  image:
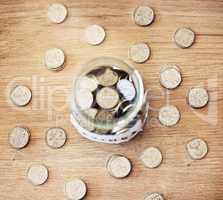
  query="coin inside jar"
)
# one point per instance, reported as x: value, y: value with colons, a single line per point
x: 108, y: 78
x: 107, y: 98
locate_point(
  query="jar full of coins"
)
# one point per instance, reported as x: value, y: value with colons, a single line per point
x: 108, y: 103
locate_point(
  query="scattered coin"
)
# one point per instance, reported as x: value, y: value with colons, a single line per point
x: 154, y: 196
x: 37, y: 174
x: 139, y: 52
x: 143, y: 15
x: 151, y: 157
x: 119, y: 166
x: 94, y: 34
x: 170, y: 77
x: 108, y: 78
x: 21, y: 95
x: 184, y: 37
x: 127, y: 89
x: 75, y: 189
x: 87, y: 83
x: 84, y: 99
x: 54, y: 59
x: 19, y: 137
x: 198, y: 97
x: 57, y: 13
x: 197, y: 149
x: 169, y: 115
x: 55, y: 137
x: 107, y: 98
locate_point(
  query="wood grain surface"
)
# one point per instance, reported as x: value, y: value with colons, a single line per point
x: 25, y: 34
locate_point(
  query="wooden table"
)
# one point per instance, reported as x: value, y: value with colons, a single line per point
x: 25, y: 34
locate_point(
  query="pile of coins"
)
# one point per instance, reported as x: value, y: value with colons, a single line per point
x: 103, y: 96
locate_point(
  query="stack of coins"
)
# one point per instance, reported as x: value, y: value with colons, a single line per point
x: 102, y: 97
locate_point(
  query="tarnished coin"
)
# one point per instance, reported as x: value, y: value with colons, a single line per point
x: 21, y: 95
x: 19, y: 137
x: 170, y: 77
x: 84, y: 99
x: 143, y: 15
x: 75, y: 189
x: 139, y: 52
x: 198, y: 97
x: 184, y: 37
x: 119, y: 166
x: 107, y: 98
x: 87, y: 83
x: 127, y: 89
x: 94, y: 34
x: 151, y: 157
x: 37, y: 174
x: 55, y: 137
x: 169, y: 115
x: 154, y: 196
x: 54, y: 59
x: 57, y: 13
x: 197, y: 149
x: 108, y: 78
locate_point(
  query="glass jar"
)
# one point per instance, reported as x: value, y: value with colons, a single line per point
x: 108, y: 102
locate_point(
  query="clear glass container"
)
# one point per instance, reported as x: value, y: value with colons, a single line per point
x: 119, y: 123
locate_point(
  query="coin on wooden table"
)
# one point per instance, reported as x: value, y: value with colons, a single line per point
x: 108, y: 78
x: 169, y: 115
x: 94, y: 34
x: 154, y: 196
x: 56, y: 137
x: 197, y: 149
x: 37, y: 174
x: 143, y: 15
x: 197, y: 97
x: 119, y: 166
x: 184, y: 37
x: 54, y: 59
x: 139, y: 52
x: 107, y: 98
x: 84, y: 98
x: 127, y: 89
x: 75, y: 189
x: 170, y: 77
x: 21, y: 95
x: 87, y: 82
x: 151, y: 157
x: 57, y: 13
x: 19, y: 137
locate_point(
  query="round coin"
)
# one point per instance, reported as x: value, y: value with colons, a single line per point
x: 143, y: 15
x: 151, y: 157
x: 84, y: 99
x: 55, y: 137
x: 108, y: 78
x: 21, y: 95
x: 127, y: 89
x: 75, y: 189
x: 87, y: 83
x: 184, y: 37
x: 19, y: 137
x: 197, y: 149
x: 154, y: 196
x: 107, y: 98
x: 169, y: 115
x: 94, y: 34
x: 37, y: 174
x: 119, y: 166
x: 170, y: 77
x: 91, y: 115
x: 54, y: 59
x: 57, y: 13
x: 139, y: 52
x: 197, y: 97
